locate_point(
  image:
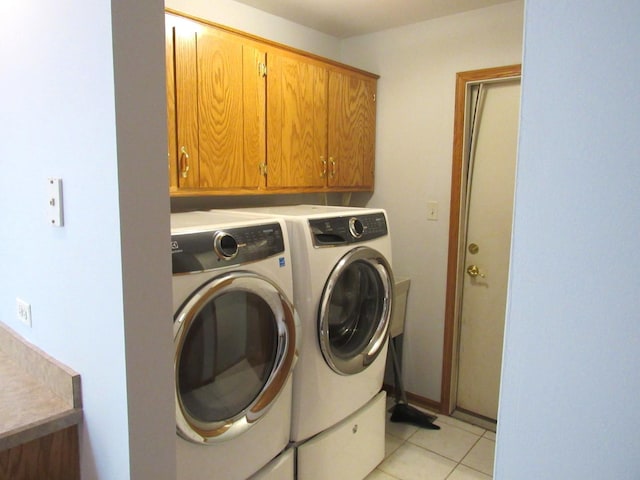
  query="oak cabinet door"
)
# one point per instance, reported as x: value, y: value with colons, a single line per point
x: 231, y: 111
x: 219, y: 109
x: 351, y: 132
x: 186, y: 105
x: 296, y: 121
x: 172, y: 149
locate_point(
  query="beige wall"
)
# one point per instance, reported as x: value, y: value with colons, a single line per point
x: 417, y: 65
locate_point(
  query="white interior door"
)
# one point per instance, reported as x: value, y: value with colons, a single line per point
x: 490, y: 189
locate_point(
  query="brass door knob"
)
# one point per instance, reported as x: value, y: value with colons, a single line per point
x: 474, y: 271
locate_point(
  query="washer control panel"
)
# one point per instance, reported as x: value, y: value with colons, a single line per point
x: 348, y: 229
x: 200, y: 251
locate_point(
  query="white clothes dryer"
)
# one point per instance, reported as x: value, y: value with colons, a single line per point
x: 235, y: 337
x: 343, y: 289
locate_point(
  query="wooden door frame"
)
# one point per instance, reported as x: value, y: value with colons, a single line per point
x: 463, y: 82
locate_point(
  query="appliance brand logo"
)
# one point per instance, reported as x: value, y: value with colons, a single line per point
x: 174, y: 245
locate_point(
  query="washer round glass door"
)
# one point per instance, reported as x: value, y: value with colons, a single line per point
x: 355, y: 310
x: 235, y: 345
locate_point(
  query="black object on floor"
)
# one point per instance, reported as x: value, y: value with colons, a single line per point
x: 402, y: 412
x: 405, y: 413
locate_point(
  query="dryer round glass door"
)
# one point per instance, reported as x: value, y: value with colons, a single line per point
x: 235, y: 345
x: 355, y: 310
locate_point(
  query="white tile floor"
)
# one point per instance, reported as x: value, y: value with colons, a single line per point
x: 458, y: 451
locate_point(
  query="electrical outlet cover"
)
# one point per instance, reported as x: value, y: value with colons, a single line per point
x: 23, y: 311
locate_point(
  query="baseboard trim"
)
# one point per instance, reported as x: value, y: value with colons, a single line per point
x: 417, y: 400
x: 475, y: 419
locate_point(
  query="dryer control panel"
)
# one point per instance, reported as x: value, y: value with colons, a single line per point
x: 200, y: 251
x: 348, y: 229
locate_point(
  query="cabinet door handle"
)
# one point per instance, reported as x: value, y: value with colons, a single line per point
x: 184, y: 163
x: 333, y: 167
x: 323, y: 173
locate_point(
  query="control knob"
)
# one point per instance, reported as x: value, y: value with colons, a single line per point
x: 225, y: 246
x: 356, y: 227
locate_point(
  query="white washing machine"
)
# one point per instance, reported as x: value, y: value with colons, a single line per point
x: 343, y: 292
x: 236, y: 338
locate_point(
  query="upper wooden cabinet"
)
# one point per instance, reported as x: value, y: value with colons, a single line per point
x: 171, y: 105
x: 352, y: 129
x: 296, y: 121
x: 246, y: 115
x: 218, y: 109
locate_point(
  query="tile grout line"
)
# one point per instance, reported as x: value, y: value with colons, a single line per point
x: 407, y: 440
x: 465, y: 456
x: 457, y: 463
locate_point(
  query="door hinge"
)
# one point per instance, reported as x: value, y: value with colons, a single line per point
x: 262, y: 69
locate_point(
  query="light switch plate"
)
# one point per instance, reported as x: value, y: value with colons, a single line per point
x: 54, y: 208
x: 432, y: 210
